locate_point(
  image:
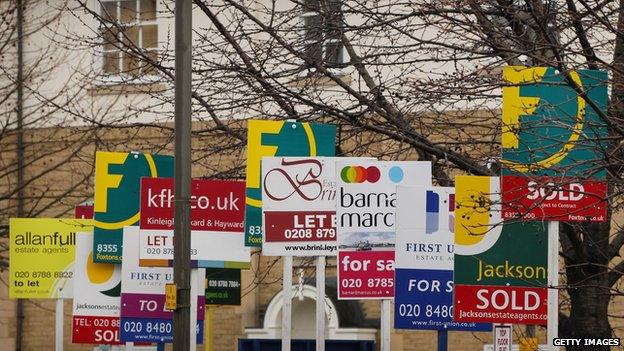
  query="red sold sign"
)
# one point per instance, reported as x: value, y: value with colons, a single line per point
x: 500, y: 304
x: 95, y: 330
x: 553, y: 199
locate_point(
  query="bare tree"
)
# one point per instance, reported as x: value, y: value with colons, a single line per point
x: 402, y: 80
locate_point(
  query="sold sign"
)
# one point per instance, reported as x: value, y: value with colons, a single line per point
x: 553, y: 142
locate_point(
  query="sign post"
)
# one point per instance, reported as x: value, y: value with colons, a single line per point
x: 320, y: 303
x: 286, y: 302
x: 298, y: 217
x: 58, y: 334
x: 502, y: 337
x: 553, y: 283
x: 386, y: 324
x: 442, y: 340
x: 42, y: 254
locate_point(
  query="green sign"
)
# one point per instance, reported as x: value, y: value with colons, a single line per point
x: 278, y: 138
x: 549, y: 129
x: 117, y: 197
x: 223, y: 286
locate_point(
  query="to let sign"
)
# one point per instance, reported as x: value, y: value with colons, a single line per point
x: 217, y: 214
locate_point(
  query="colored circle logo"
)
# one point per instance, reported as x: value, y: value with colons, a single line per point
x: 396, y: 174
x: 359, y: 174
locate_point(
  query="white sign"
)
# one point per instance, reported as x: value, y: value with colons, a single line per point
x: 97, y: 287
x: 143, y: 314
x: 365, y: 216
x: 502, y: 337
x: 299, y: 206
x: 425, y: 227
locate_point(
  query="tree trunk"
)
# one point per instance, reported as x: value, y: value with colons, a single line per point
x: 587, y: 283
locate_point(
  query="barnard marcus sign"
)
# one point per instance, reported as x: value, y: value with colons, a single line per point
x: 553, y: 144
x: 500, y: 268
x: 365, y: 212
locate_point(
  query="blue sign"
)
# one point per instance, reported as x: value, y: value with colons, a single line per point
x: 153, y: 330
x: 423, y: 297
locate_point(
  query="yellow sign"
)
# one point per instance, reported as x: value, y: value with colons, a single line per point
x: 171, y: 296
x: 42, y: 252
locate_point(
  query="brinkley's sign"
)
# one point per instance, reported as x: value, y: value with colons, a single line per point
x: 553, y: 143
x: 278, y: 138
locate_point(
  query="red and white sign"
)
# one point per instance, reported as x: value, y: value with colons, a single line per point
x: 365, y: 222
x: 502, y: 337
x: 500, y: 304
x: 366, y: 274
x: 217, y: 214
x: 554, y: 199
x: 97, y: 288
x: 299, y: 206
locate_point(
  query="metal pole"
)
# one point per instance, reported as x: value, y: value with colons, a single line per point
x: 19, y: 305
x: 286, y: 302
x: 194, y: 293
x: 553, y: 281
x: 320, y: 303
x: 58, y: 325
x: 182, y: 233
x: 385, y: 325
x: 442, y: 340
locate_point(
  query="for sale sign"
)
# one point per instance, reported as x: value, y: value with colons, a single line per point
x: 41, y: 256
x: 278, y: 138
x: 299, y: 206
x: 553, y: 144
x: 365, y: 205
x: 216, y: 217
x: 116, y: 200
x: 500, y: 269
x: 144, y: 317
x: 425, y: 219
x: 97, y: 287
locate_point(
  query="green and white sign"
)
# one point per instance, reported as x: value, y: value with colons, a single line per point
x: 117, y: 197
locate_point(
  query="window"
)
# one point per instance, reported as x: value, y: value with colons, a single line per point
x: 322, y: 29
x: 137, y: 29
